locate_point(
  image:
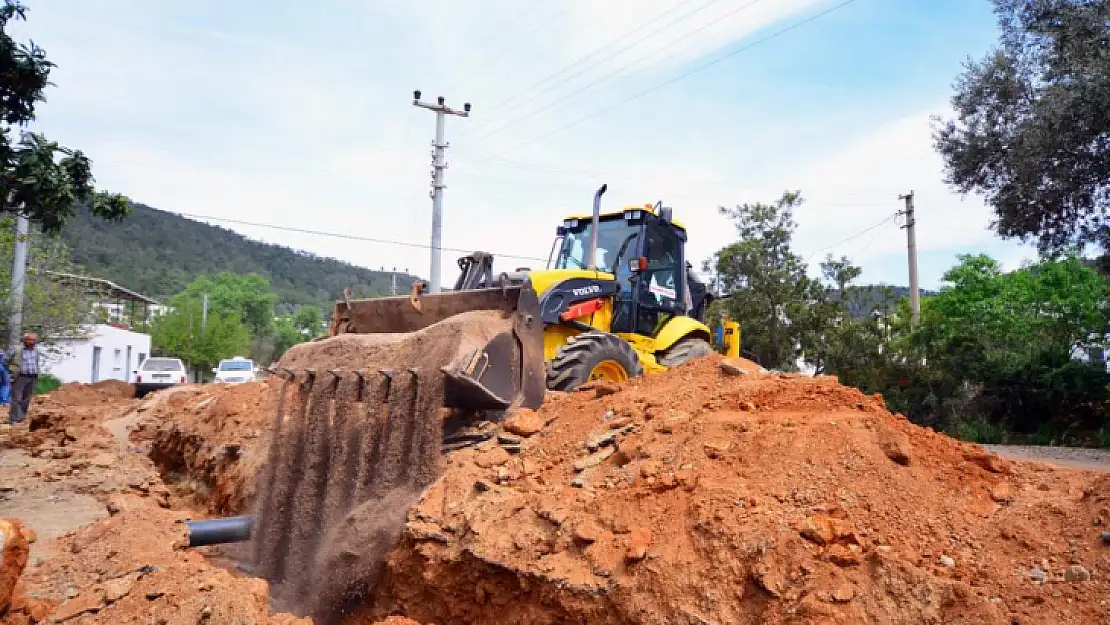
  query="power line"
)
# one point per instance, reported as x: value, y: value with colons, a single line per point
x: 491, y: 58
x: 619, y: 70
x: 677, y: 78
x: 533, y: 95
x: 337, y: 235
x: 502, y: 25
x: 855, y: 236
x: 870, y: 243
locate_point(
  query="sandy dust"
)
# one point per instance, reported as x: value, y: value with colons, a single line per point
x: 341, y: 474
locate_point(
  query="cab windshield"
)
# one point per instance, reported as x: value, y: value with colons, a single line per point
x: 235, y: 365
x: 616, y: 243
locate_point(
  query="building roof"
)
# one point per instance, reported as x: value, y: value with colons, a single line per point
x: 114, y: 290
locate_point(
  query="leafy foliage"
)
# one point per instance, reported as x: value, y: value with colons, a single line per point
x: 286, y: 335
x: 768, y: 281
x: 995, y: 352
x: 40, y: 178
x: 52, y: 308
x: 245, y: 297
x: 242, y: 309
x: 1004, y: 342
x: 179, y: 333
x: 46, y: 383
x: 158, y: 254
x: 1031, y: 124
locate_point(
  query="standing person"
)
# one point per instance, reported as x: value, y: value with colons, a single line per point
x: 25, y: 364
x: 5, y: 381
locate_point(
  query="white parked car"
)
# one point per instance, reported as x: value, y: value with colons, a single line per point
x: 235, y: 371
x: 159, y: 373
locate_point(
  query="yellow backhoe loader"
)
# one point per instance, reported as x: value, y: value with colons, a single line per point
x: 617, y: 300
x: 364, y: 414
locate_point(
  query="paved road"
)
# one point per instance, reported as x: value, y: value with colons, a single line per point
x: 1071, y: 457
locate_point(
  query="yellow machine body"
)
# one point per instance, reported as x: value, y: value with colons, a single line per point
x: 616, y: 300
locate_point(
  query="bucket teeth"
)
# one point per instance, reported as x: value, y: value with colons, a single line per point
x: 369, y: 433
x: 337, y: 441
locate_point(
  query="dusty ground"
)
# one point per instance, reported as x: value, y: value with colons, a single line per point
x: 107, y: 535
x: 698, y: 496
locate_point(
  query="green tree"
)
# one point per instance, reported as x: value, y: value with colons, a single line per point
x: 41, y: 179
x: 286, y: 335
x: 767, y: 280
x: 830, y: 338
x: 247, y: 297
x: 309, y: 321
x: 53, y: 308
x: 1031, y: 123
x: 179, y: 333
x: 1000, y: 345
x: 159, y: 254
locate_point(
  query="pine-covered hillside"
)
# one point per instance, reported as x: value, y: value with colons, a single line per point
x: 157, y: 253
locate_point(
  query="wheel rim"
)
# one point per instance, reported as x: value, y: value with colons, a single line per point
x: 610, y: 370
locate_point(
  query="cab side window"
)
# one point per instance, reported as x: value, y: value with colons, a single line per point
x: 665, y: 273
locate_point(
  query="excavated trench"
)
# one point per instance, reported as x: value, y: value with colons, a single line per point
x: 698, y: 496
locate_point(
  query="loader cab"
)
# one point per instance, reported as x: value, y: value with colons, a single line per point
x: 645, y: 250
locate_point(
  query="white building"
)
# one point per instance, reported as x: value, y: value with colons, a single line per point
x: 110, y: 350
x: 109, y: 353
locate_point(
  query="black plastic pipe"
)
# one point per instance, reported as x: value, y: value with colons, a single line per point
x: 235, y: 529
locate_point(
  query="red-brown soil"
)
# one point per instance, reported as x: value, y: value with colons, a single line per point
x: 131, y: 562
x: 713, y: 497
x: 208, y: 441
x: 748, y: 499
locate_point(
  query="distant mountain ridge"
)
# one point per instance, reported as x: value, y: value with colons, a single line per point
x: 158, y: 253
x: 865, y: 299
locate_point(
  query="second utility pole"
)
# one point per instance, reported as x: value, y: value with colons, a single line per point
x: 911, y: 250
x: 438, y: 165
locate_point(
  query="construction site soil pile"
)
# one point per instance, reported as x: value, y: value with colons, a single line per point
x: 717, y: 494
x: 208, y: 441
x: 80, y: 408
x: 98, y: 531
x: 355, y: 440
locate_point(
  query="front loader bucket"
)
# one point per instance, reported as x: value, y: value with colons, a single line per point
x: 486, y: 343
x: 359, y: 426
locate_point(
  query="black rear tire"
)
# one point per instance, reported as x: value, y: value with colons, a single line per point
x: 581, y: 354
x: 687, y: 349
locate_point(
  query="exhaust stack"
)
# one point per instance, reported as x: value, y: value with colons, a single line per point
x: 591, y: 261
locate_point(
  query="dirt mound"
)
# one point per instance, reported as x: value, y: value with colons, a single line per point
x: 102, y: 392
x: 14, y: 548
x: 132, y: 567
x: 106, y: 547
x: 208, y: 441
x: 72, y: 411
x: 706, y: 496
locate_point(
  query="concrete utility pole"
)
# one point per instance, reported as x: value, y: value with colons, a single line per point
x: 19, y: 272
x: 438, y: 165
x: 393, y: 283
x: 911, y: 249
x: 204, y: 313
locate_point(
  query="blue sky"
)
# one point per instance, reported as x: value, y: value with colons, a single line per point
x: 299, y: 114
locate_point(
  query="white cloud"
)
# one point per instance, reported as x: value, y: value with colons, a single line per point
x: 197, y: 109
